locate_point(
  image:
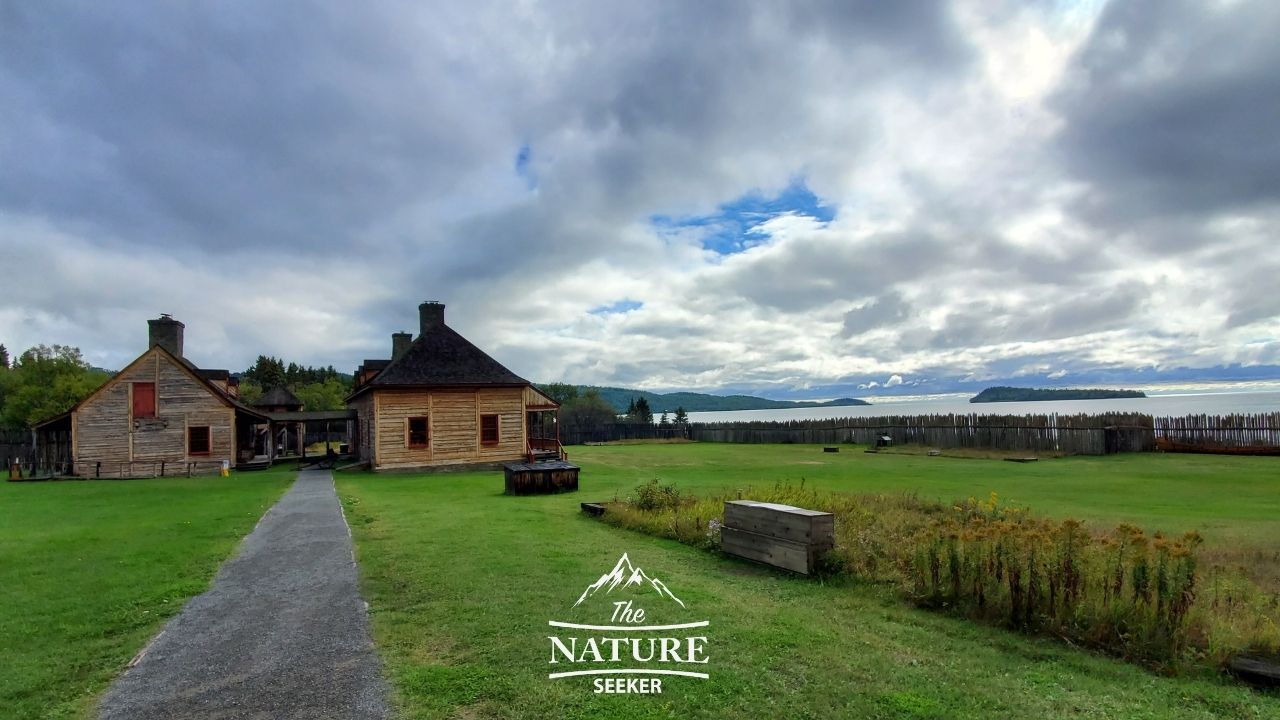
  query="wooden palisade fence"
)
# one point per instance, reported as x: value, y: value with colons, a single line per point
x: 613, y: 432
x: 1245, y: 434
x: 1067, y: 434
x: 51, y: 455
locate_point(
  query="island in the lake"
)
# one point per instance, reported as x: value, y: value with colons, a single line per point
x: 1014, y: 394
x: 703, y: 402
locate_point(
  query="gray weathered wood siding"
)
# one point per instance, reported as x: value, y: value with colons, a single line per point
x: 788, y: 537
x: 363, y: 406
x: 106, y: 432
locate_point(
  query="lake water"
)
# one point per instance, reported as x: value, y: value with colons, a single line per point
x: 1188, y: 403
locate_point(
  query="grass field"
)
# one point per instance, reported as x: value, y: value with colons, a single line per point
x: 1230, y: 500
x: 89, y: 571
x: 462, y: 580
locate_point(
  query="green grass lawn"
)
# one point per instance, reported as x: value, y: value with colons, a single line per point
x: 1233, y: 501
x: 461, y: 582
x: 1228, y: 499
x: 89, y: 571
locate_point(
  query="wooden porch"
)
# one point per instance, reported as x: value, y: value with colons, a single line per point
x: 542, y: 430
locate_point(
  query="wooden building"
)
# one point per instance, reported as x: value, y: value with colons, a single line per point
x: 441, y: 401
x: 160, y: 415
x: 292, y: 424
x: 279, y: 399
x: 286, y: 436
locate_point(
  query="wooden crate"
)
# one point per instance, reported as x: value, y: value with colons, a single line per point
x: 540, y: 478
x: 783, y: 536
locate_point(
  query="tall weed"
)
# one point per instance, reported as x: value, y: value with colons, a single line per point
x: 1148, y: 598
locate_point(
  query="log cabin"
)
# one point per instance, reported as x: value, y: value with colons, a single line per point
x: 441, y: 401
x: 160, y: 415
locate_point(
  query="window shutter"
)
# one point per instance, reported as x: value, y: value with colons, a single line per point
x: 144, y: 400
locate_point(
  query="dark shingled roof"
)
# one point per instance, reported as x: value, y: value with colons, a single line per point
x: 278, y: 396
x: 214, y: 374
x: 441, y: 356
x: 376, y: 364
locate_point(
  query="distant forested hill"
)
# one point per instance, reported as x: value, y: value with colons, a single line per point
x: 620, y: 398
x: 1013, y: 394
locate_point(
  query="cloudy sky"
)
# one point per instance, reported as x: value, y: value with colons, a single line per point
x: 794, y: 198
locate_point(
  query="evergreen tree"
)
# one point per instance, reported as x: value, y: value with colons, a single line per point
x: 664, y: 421
x: 640, y: 412
x: 4, y: 357
x: 267, y: 372
x: 682, y: 417
x: 272, y: 374
x: 642, y: 407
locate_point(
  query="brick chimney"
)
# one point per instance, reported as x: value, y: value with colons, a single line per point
x: 167, y: 333
x: 400, y: 343
x: 430, y: 314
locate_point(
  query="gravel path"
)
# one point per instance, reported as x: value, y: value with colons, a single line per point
x: 281, y: 634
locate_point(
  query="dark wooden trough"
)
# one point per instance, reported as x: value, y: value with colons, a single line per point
x: 540, y: 478
x: 593, y: 509
x: 830, y: 449
x: 1264, y: 672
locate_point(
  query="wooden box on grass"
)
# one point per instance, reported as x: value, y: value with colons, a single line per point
x: 783, y: 536
x: 540, y: 478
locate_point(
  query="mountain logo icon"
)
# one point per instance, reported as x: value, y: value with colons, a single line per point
x: 626, y: 575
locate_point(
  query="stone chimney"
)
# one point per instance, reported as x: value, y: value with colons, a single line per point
x: 167, y: 333
x: 430, y: 314
x: 400, y: 343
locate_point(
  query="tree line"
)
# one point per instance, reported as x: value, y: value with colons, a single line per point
x: 319, y: 388
x: 43, y: 382
x: 586, y: 408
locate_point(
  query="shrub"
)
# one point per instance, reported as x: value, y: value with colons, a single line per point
x: 652, y: 496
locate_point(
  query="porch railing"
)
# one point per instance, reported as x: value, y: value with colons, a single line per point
x: 538, y: 447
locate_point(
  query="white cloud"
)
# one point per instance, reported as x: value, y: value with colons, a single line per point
x: 306, y: 209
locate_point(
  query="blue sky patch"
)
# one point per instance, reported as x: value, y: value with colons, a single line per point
x: 621, y: 306
x: 731, y: 229
x: 524, y: 157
